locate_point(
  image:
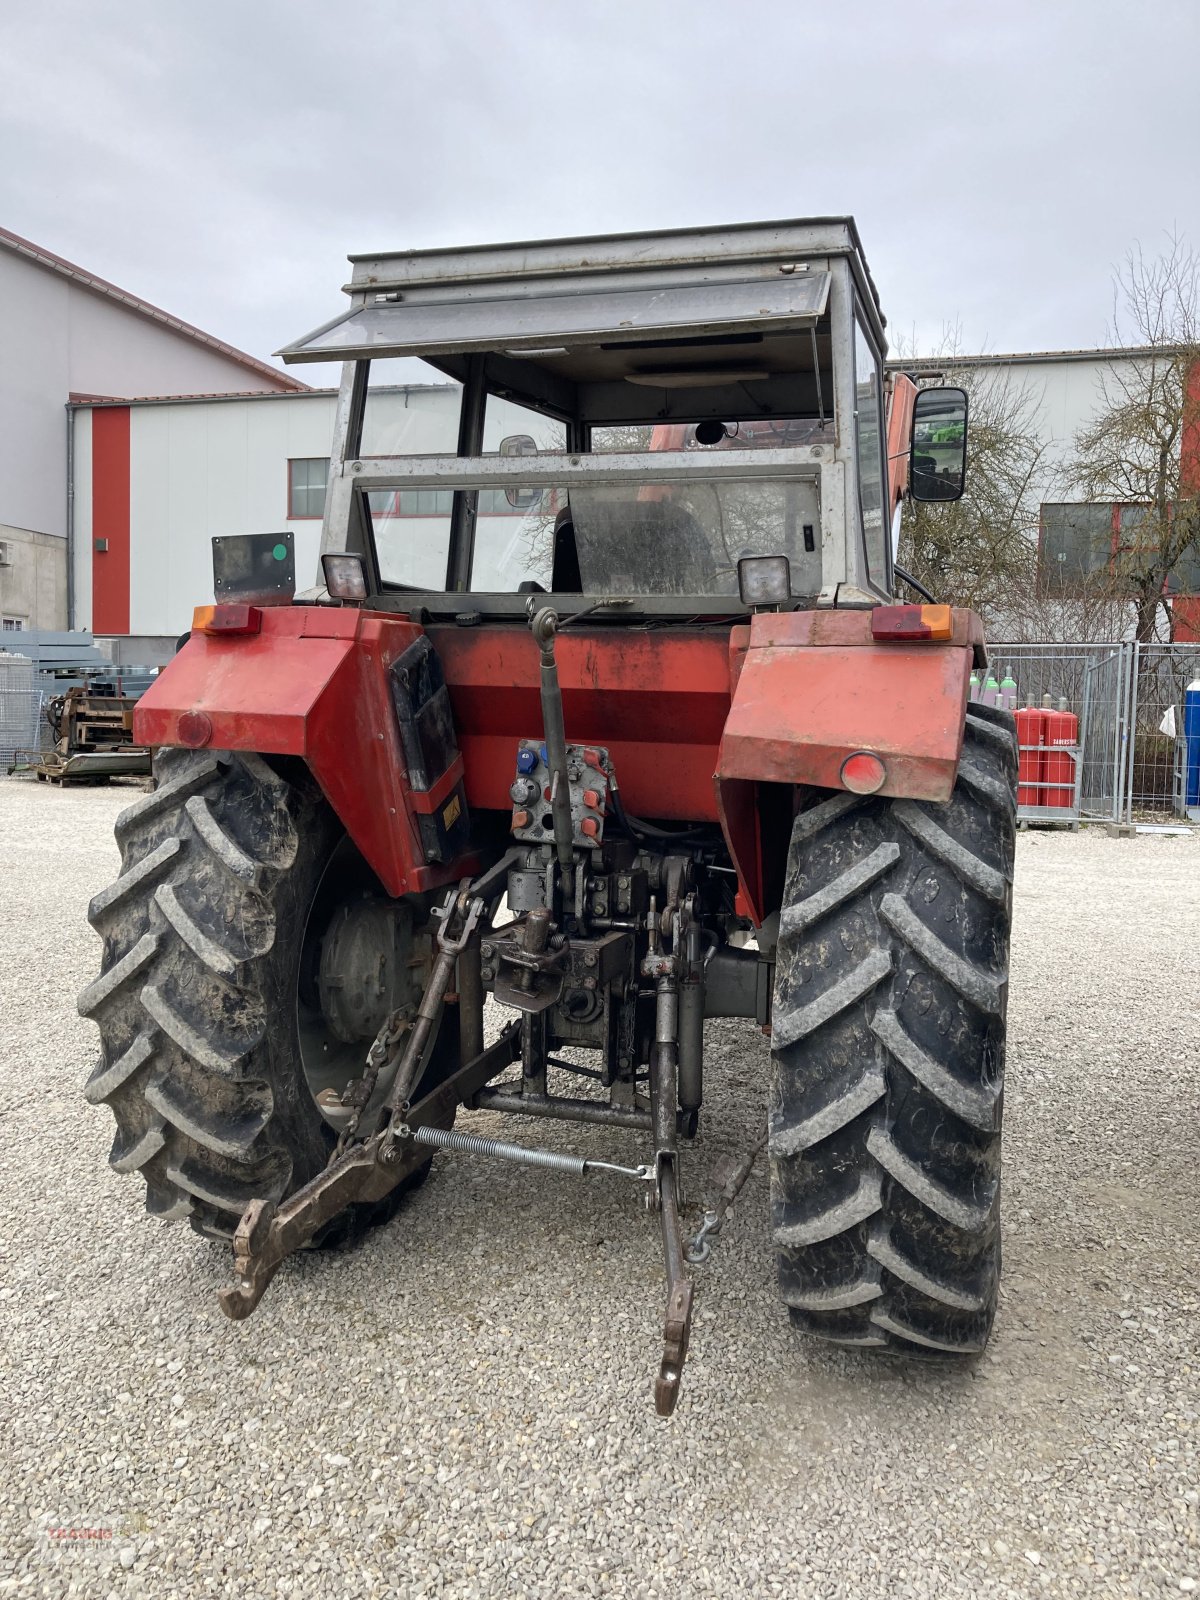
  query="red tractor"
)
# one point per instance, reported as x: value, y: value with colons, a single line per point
x: 620, y: 725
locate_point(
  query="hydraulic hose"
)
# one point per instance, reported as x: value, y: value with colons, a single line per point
x: 639, y: 829
x: 907, y: 577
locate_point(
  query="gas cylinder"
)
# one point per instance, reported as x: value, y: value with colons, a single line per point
x: 1031, y: 727
x: 1008, y: 692
x: 1062, y: 728
x: 990, y: 693
x: 1191, y: 738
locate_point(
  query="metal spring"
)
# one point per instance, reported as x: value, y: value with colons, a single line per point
x: 549, y: 1160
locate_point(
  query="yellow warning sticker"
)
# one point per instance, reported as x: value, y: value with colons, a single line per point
x: 452, y: 812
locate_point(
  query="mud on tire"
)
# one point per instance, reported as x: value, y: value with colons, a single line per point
x: 196, y: 1000
x: 888, y: 1058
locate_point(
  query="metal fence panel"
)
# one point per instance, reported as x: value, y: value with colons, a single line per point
x: 1094, y: 682
x: 1104, y: 732
x: 21, y: 723
x: 1164, y: 776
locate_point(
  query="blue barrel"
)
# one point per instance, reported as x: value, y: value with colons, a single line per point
x: 1191, y: 740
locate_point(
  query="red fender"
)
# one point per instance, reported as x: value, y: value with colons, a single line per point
x: 813, y: 688
x: 311, y: 683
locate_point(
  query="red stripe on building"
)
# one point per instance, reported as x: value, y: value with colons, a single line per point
x: 1189, y: 453
x: 1187, y: 607
x: 110, y: 520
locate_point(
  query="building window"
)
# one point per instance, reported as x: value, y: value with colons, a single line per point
x: 1075, y: 545
x: 14, y: 624
x: 440, y: 502
x: 432, y: 502
x: 426, y: 502
x: 1082, y: 542
x: 306, y: 487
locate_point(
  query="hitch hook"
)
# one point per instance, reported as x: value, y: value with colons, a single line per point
x: 677, y: 1320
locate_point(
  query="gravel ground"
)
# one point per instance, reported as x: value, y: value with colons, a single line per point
x: 463, y: 1407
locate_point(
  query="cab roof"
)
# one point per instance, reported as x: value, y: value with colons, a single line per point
x: 571, y: 326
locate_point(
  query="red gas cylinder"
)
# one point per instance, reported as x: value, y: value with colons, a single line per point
x: 1031, y: 729
x: 1062, y: 728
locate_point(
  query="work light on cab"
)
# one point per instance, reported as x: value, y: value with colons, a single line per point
x: 764, y: 580
x: 345, y: 575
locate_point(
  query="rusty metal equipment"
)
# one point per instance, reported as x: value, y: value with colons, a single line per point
x: 92, y: 731
x: 659, y: 742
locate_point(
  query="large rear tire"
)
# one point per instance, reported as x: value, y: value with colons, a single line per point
x: 200, y: 995
x: 888, y: 1058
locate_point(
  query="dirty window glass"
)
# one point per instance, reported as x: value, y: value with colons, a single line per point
x: 656, y: 539
x: 868, y: 428
x: 506, y: 420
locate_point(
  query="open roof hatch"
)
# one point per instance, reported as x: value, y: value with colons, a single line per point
x: 595, y: 352
x: 612, y: 321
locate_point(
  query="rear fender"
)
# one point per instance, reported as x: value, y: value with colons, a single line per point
x: 312, y: 683
x: 813, y: 688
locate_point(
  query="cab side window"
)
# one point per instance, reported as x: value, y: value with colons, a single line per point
x: 868, y: 429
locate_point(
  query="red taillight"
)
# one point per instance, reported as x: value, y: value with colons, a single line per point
x: 912, y: 622
x: 863, y: 773
x: 226, y: 618
x: 194, y: 729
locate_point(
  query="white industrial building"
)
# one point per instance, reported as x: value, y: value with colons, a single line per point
x: 1063, y: 389
x: 66, y: 335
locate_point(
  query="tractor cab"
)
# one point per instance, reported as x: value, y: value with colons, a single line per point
x: 642, y: 418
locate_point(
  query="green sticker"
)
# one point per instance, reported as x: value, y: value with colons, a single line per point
x: 280, y: 552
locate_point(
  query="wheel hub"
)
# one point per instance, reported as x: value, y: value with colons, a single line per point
x: 364, y: 974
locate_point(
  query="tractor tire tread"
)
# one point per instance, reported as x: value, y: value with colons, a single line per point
x: 888, y: 1053
x: 190, y: 976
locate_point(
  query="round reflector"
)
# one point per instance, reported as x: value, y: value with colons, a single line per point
x: 863, y: 773
x: 194, y: 729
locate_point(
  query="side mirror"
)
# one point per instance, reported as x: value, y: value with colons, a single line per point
x: 520, y: 444
x: 938, y: 457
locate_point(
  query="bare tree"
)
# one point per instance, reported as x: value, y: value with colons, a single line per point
x: 1096, y: 610
x: 629, y: 436
x: 1136, y: 449
x: 981, y: 551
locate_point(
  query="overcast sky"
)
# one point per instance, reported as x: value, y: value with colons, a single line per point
x: 222, y: 159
